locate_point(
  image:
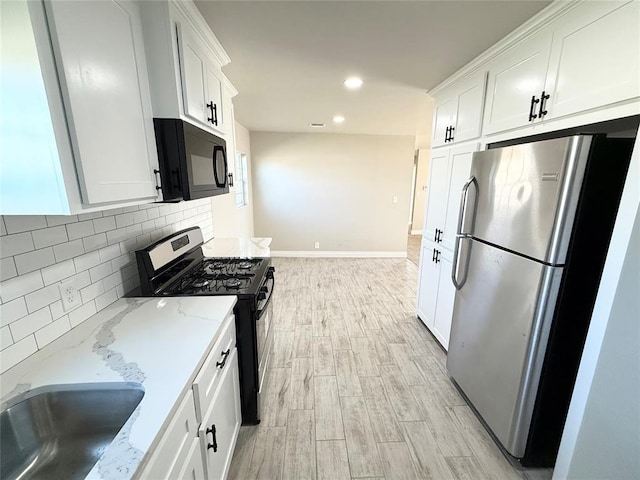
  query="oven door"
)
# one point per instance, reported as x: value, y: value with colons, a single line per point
x: 206, y: 163
x: 264, y: 332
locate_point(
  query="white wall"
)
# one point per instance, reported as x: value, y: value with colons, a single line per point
x: 96, y: 249
x: 229, y: 220
x: 334, y: 189
x: 601, y: 439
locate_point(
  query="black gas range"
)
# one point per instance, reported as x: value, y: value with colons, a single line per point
x: 176, y: 266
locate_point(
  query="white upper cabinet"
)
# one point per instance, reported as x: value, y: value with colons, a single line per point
x: 516, y: 80
x: 586, y: 59
x: 185, y: 61
x: 458, y: 116
x: 594, y: 58
x: 103, y: 78
x: 77, y: 131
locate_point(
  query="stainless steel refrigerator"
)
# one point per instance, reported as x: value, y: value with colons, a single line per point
x: 534, y: 227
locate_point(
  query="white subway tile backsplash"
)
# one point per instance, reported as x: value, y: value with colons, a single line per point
x: 68, y: 250
x: 104, y: 224
x: 116, y: 236
x: 92, y: 291
x: 48, y: 334
x: 41, y: 298
x: 80, y: 229
x: 28, y: 262
x: 15, y: 244
x: 124, y: 220
x: 95, y: 250
x: 79, y: 315
x: 55, y: 220
x: 58, y: 272
x: 94, y: 242
x: 47, y: 237
x: 17, y: 352
x: 57, y: 310
x: 24, y: 223
x: 101, y: 271
x: 5, y: 338
x: 89, y: 216
x: 7, y: 269
x: 12, y: 311
x: 109, y: 253
x: 87, y: 261
x: 29, y: 324
x: 20, y: 286
x: 107, y: 298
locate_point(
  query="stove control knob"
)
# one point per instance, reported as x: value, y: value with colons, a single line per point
x: 264, y: 289
x: 261, y: 296
x: 270, y: 271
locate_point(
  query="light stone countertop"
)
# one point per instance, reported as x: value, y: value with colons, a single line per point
x: 237, y: 247
x: 158, y: 342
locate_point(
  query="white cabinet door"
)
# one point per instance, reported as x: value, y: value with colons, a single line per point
x: 105, y: 87
x: 438, y: 189
x: 470, y: 102
x: 594, y: 58
x: 427, y: 285
x: 444, y: 307
x: 445, y: 117
x: 514, y: 78
x: 460, y: 168
x: 193, y: 468
x: 221, y: 424
x: 215, y: 117
x: 193, y: 70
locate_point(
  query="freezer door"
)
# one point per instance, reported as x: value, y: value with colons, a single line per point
x: 527, y: 195
x: 501, y: 321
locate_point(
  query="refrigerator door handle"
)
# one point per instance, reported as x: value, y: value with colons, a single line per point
x: 460, y: 235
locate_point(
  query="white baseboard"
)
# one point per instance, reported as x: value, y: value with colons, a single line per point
x: 331, y: 254
x: 416, y: 232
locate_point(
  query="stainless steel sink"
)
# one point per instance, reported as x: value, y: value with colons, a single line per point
x: 60, y: 431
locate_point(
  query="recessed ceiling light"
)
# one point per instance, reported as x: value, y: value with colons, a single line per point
x: 353, y: 83
x: 317, y: 125
x: 338, y: 119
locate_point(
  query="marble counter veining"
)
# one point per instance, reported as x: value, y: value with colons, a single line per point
x: 237, y: 247
x: 159, y: 343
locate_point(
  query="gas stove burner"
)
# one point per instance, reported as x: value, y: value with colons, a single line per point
x: 245, y: 265
x: 233, y: 283
x: 200, y: 283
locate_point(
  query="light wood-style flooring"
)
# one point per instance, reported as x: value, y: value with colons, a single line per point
x: 357, y: 386
x: 413, y: 248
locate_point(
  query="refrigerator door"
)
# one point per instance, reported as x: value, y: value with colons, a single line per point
x: 501, y: 322
x: 527, y: 195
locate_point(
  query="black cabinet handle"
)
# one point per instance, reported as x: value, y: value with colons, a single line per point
x: 230, y: 175
x: 224, y: 354
x: 437, y: 260
x: 214, y: 113
x: 446, y: 135
x: 543, y: 98
x: 433, y: 257
x: 435, y: 235
x: 534, y: 102
x: 213, y: 445
x: 451, y: 130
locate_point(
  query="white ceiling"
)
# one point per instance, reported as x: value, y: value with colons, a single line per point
x: 289, y: 58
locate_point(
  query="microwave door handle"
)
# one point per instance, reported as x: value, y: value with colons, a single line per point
x: 219, y: 184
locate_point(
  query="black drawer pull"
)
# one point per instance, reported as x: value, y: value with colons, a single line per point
x: 224, y: 354
x: 534, y: 102
x: 543, y: 98
x: 213, y: 445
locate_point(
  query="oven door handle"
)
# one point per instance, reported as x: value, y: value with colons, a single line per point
x: 264, y: 307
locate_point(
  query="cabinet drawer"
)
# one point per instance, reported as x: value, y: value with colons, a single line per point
x: 174, y: 449
x: 205, y: 383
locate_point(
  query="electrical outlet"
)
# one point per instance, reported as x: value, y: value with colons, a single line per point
x: 316, y: 245
x: 394, y: 199
x: 70, y: 295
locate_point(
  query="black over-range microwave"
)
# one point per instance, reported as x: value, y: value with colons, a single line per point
x: 193, y: 162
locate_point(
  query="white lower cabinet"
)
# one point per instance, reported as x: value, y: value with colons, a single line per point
x: 221, y: 424
x: 201, y: 436
x: 436, y: 292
